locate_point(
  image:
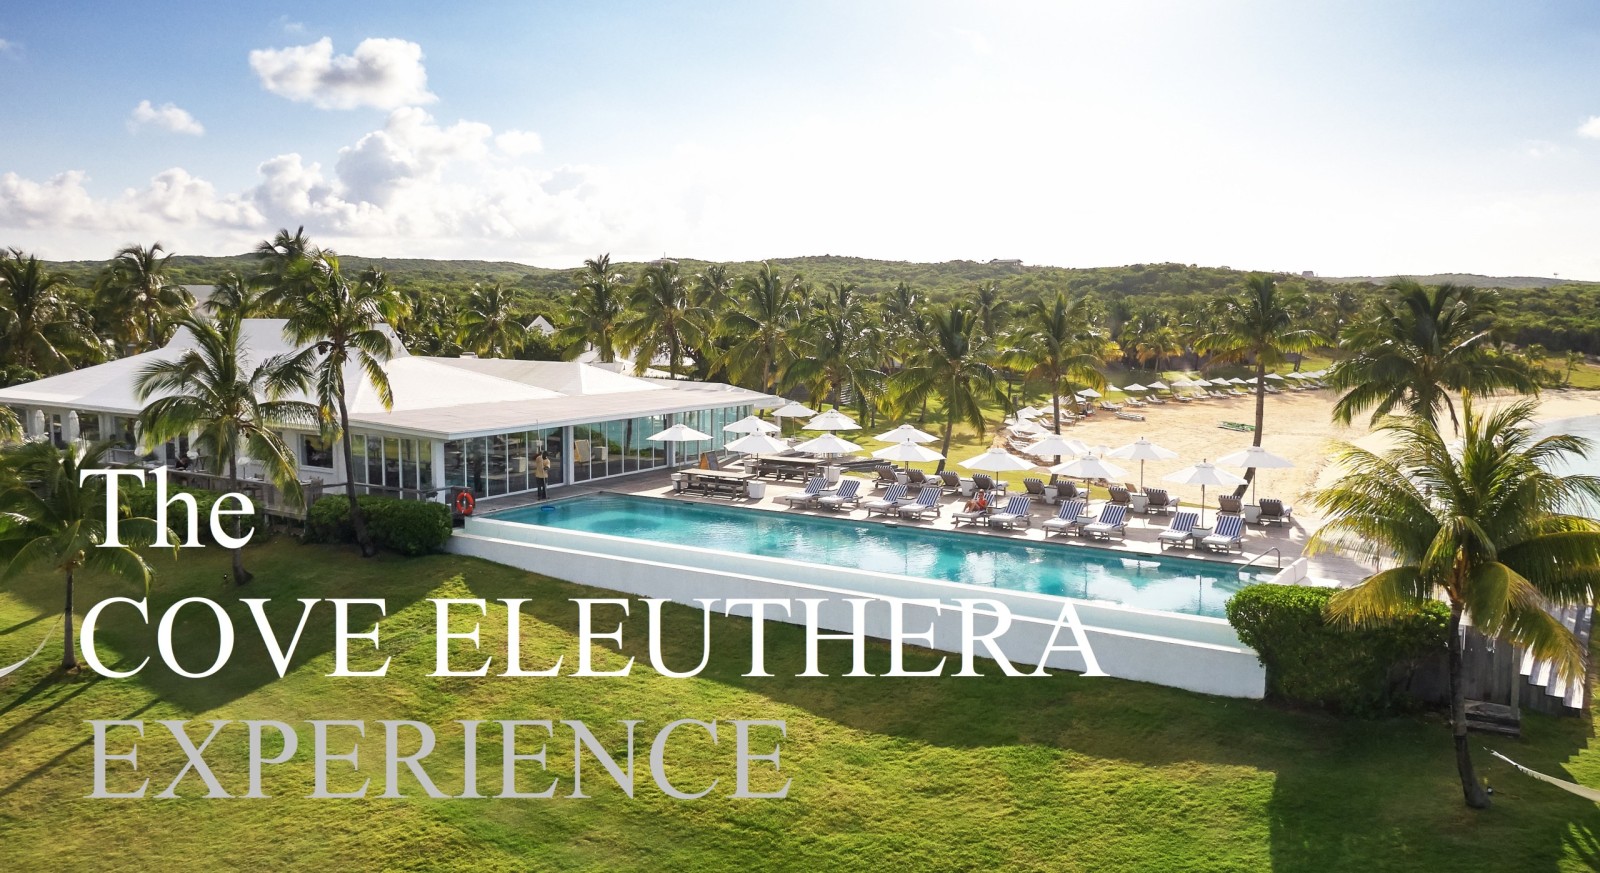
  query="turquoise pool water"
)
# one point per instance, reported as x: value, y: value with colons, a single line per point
x: 1060, y: 568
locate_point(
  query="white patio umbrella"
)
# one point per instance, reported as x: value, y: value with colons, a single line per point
x: 833, y: 419
x: 1055, y: 445
x: 907, y: 451
x: 1237, y: 381
x: 679, y: 433
x: 1203, y: 474
x: 752, y: 424
x: 828, y: 444
x: 1202, y: 383
x: 906, y: 432
x: 1295, y: 376
x: 1159, y: 385
x: 793, y: 409
x: 1256, y: 457
x: 1027, y: 425
x: 1142, y: 450
x: 757, y: 443
x: 1183, y: 383
x: 1090, y: 393
x: 1133, y: 387
x: 1090, y: 467
x: 1275, y: 377
x: 996, y: 461
x: 1029, y: 412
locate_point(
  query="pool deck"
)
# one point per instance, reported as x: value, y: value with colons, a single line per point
x: 1289, y: 538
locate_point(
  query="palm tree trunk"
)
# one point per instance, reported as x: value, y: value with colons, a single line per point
x: 357, y: 522
x: 69, y: 650
x: 1261, y: 420
x: 1476, y: 796
x: 240, y: 574
x: 949, y: 431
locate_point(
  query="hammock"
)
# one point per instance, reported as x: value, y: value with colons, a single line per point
x: 1573, y: 787
x: 8, y: 670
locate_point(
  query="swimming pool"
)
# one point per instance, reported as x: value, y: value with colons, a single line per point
x: 1063, y: 569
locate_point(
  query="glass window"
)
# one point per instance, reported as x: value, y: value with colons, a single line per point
x: 391, y: 462
x: 517, y: 451
x: 455, y: 464
x: 89, y: 426
x: 617, y: 444
x: 476, y: 449
x: 424, y: 465
x: 374, y: 460
x: 316, y: 451
x: 122, y: 430
x: 408, y: 463
x: 585, y: 448
x: 496, y: 459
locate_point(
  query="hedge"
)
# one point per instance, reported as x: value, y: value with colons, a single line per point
x: 140, y: 502
x: 410, y: 527
x: 1353, y: 669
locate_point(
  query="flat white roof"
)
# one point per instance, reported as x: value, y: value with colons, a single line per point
x: 441, y: 398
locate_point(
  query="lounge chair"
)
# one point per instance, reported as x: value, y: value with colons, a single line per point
x: 983, y: 482
x: 889, y: 502
x: 916, y: 478
x: 1130, y: 416
x: 927, y: 502
x: 815, y: 487
x: 1158, y: 500
x: 1112, y: 523
x: 1035, y: 487
x: 1154, y: 398
x: 1227, y: 504
x: 972, y: 513
x: 1178, y: 530
x: 1068, y: 519
x: 1229, y: 532
x: 886, y: 478
x: 1120, y: 497
x: 849, y: 494
x: 1015, y: 514
x: 1274, y: 512
x: 1066, y: 489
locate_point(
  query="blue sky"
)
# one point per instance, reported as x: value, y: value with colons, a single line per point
x: 1357, y: 137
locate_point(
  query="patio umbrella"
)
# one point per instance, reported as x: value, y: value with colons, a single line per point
x: 1055, y: 444
x: 1183, y: 383
x: 1257, y: 457
x: 752, y: 424
x: 1027, y: 425
x: 1202, y: 383
x: 997, y: 461
x: 1203, y: 474
x: 757, y: 443
x: 833, y: 419
x: 1133, y: 387
x: 906, y: 432
x: 1237, y: 381
x: 907, y: 451
x: 1275, y: 376
x: 679, y: 433
x: 828, y: 444
x: 1029, y: 412
x: 1159, y: 385
x: 1090, y: 393
x: 1090, y: 467
x: 1142, y: 450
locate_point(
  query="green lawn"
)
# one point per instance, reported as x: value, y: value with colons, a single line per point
x: 1062, y: 773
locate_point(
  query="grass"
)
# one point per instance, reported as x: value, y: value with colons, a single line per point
x: 1059, y: 773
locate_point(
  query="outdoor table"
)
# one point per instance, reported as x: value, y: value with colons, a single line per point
x: 1252, y: 513
x: 731, y: 482
x: 1138, y: 502
x: 1196, y: 534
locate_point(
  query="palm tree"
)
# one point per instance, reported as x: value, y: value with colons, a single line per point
x: 840, y: 343
x: 1487, y: 527
x: 10, y: 425
x: 277, y: 256
x: 342, y: 325
x: 1056, y: 344
x: 233, y: 297
x: 139, y: 299
x: 1258, y: 325
x: 212, y: 390
x: 663, y: 318
x: 431, y: 325
x: 1417, y: 349
x: 597, y: 310
x: 953, y: 364
x: 990, y: 306
x: 52, y: 518
x: 761, y: 330
x: 38, y: 327
x: 1574, y: 362
x: 489, y: 325
x: 1148, y: 337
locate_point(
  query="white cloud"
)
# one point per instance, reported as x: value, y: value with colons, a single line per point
x: 289, y: 25
x: 7, y: 47
x: 381, y: 73
x: 519, y: 143
x: 164, y: 117
x: 1590, y: 128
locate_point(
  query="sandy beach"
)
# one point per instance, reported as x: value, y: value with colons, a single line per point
x: 1299, y: 426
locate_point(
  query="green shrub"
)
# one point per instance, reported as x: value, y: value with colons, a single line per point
x: 410, y: 527
x: 1354, y: 669
x: 140, y: 502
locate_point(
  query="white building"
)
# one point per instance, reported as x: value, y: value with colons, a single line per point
x: 473, y: 423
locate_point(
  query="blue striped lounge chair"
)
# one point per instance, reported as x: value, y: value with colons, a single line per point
x: 815, y: 488
x: 1067, y: 519
x: 974, y: 516
x: 927, y: 502
x: 1112, y: 523
x: 1228, y: 533
x: 848, y: 495
x: 889, y: 502
x: 1178, y: 530
x: 1015, y: 514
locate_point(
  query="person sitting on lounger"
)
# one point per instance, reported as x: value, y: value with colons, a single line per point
x: 978, y: 503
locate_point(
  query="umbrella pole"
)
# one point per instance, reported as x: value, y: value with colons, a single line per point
x: 1141, y: 474
x: 1202, y: 506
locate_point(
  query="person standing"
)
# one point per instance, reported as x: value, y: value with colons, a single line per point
x: 541, y: 473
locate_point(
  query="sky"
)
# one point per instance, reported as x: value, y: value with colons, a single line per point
x: 1350, y: 138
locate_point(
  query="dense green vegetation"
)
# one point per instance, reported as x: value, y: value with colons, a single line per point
x: 1062, y: 773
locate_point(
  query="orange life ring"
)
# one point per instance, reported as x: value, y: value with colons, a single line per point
x: 465, y: 502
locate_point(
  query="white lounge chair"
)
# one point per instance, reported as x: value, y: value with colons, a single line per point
x: 815, y: 488
x: 975, y: 515
x: 927, y: 502
x: 1178, y: 532
x: 1015, y: 513
x: 1068, y: 519
x: 849, y: 494
x: 1228, y: 533
x: 889, y: 502
x: 1113, y: 523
